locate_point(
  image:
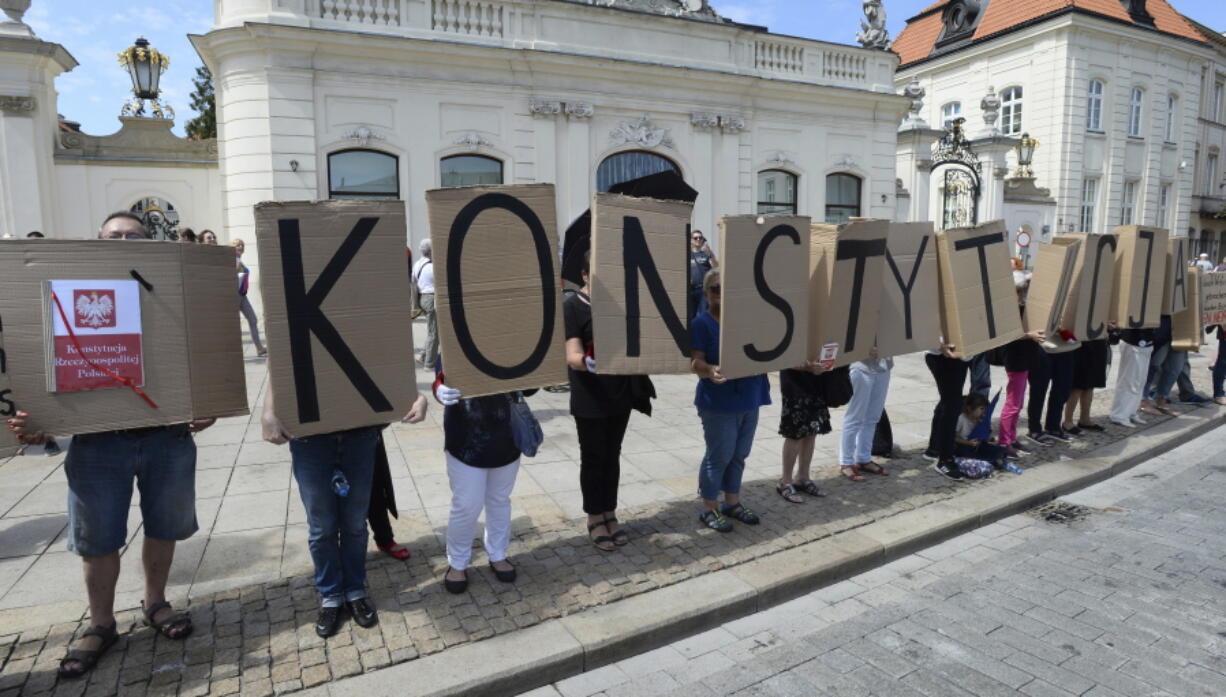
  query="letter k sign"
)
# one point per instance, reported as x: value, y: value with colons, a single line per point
x: 305, y: 315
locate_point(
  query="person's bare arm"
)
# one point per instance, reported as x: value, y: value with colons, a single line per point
x: 417, y: 413
x: 20, y: 426
x: 270, y: 424
x: 574, y: 354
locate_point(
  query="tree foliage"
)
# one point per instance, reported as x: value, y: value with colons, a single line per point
x: 203, y: 102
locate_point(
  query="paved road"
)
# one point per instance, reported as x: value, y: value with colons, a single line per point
x: 1129, y: 601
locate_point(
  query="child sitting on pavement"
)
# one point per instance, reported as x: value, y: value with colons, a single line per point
x: 967, y: 445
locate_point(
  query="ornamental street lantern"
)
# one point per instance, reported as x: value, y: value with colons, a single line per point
x: 145, y: 66
x: 1025, y: 155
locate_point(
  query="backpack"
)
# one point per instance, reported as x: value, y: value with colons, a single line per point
x: 974, y: 469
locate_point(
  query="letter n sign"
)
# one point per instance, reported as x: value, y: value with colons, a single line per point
x: 337, y: 315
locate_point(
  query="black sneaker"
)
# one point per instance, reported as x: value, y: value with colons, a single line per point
x: 949, y: 468
x: 1062, y: 436
x: 1039, y: 439
x: 363, y: 612
x: 1017, y: 445
x: 329, y: 621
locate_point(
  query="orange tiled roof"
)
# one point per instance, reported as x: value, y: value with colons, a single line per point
x: 919, y: 37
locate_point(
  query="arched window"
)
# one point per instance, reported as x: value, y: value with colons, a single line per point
x: 1135, y: 99
x: 160, y: 217
x: 842, y: 197
x: 1171, y: 103
x: 363, y: 174
x: 1094, y: 106
x: 470, y: 170
x: 949, y: 112
x: 776, y: 192
x: 625, y: 166
x: 1011, y: 111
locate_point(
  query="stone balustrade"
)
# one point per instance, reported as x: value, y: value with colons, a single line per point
x: 575, y: 27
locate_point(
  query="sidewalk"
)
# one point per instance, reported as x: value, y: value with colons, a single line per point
x: 246, y: 574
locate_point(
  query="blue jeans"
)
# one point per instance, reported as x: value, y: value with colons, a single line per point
x: 729, y: 436
x: 863, y: 412
x: 697, y: 302
x: 337, y: 525
x: 101, y: 468
x: 1168, y: 373
x: 981, y: 375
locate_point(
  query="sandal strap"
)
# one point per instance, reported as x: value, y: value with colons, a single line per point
x: 154, y: 609
x: 619, y: 533
x: 102, y: 631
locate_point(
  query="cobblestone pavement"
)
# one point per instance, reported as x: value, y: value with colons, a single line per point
x: 1127, y: 601
x: 245, y: 576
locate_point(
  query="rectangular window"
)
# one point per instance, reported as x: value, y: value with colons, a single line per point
x: 1094, y: 106
x: 950, y: 112
x: 1128, y: 206
x: 1170, y: 119
x: 1089, y: 197
x: 1164, y: 206
x: 1216, y: 107
x: 1134, y: 112
x: 1211, y: 175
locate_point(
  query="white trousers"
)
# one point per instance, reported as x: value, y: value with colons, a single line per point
x: 1130, y: 385
x: 474, y: 489
x: 869, y: 391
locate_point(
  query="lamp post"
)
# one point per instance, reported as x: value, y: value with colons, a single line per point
x: 145, y: 66
x: 1025, y: 155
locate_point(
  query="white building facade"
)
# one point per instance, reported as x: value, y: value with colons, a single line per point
x: 1113, y: 102
x: 391, y: 98
x: 1208, y: 225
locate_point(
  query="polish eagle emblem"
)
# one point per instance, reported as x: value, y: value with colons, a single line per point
x: 95, y: 309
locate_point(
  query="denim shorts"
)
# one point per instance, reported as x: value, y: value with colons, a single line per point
x: 101, y: 468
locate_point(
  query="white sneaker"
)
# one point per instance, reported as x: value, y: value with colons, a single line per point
x: 1138, y: 420
x: 1125, y: 424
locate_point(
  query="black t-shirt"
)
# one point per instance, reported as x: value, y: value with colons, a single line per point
x: 1137, y: 336
x: 700, y: 264
x: 1021, y: 355
x: 592, y: 396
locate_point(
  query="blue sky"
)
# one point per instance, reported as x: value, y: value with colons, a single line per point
x: 94, y: 31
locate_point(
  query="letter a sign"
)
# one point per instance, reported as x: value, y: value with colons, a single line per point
x: 337, y: 313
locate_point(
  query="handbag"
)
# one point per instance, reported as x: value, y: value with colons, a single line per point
x: 525, y: 429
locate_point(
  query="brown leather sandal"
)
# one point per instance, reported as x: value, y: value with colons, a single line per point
x: 86, y: 659
x: 852, y: 472
x: 177, y: 627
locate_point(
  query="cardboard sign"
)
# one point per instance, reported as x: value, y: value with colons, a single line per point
x: 8, y: 404
x: 1175, y: 290
x: 640, y: 279
x: 1213, y: 298
x: 1187, y: 327
x: 1052, y: 286
x: 193, y: 354
x: 978, y: 297
x: 337, y: 313
x: 911, y: 291
x: 846, y: 271
x: 497, y: 287
x: 1089, y: 304
x: 1140, y: 276
x: 764, y: 300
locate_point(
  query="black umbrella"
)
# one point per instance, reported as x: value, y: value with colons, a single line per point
x: 666, y: 186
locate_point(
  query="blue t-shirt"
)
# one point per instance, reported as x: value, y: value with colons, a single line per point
x: 742, y: 394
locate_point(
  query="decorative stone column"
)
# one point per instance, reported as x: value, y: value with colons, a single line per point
x: 28, y: 128
x: 914, y: 163
x: 993, y: 152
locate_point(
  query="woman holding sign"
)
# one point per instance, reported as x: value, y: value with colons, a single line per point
x: 601, y: 406
x: 729, y: 413
x: 482, y: 463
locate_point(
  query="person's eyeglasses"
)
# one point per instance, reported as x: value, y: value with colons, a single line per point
x: 125, y: 236
x: 713, y: 289
x: 697, y: 237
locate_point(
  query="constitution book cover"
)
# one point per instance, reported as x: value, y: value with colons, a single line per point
x: 102, y: 338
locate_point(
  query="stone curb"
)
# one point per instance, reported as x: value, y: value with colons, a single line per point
x: 508, y: 664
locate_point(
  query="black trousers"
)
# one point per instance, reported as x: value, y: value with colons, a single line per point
x: 1051, y: 381
x: 382, y: 501
x: 950, y: 376
x: 600, y: 451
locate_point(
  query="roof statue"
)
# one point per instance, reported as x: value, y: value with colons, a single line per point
x: 690, y: 9
x: 873, y: 33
